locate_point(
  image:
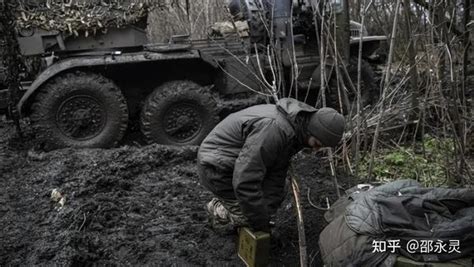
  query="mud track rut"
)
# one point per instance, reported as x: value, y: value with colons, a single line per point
x: 128, y: 206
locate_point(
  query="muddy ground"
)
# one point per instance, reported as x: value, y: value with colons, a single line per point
x: 131, y: 205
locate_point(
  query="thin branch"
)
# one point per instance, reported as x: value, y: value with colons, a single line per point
x: 384, y: 92
x: 300, y: 222
x: 314, y: 205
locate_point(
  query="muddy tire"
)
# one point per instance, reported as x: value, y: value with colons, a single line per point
x: 178, y: 113
x: 79, y: 110
x: 369, y: 92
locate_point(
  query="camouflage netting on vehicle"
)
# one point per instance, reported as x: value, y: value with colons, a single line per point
x: 80, y: 16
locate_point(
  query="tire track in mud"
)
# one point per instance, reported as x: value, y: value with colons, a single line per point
x: 128, y: 206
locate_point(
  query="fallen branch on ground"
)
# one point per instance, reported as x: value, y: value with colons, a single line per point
x: 299, y: 219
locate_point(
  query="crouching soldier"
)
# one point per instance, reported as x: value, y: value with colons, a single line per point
x: 245, y: 158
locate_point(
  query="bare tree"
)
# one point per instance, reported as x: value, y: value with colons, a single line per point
x: 11, y: 56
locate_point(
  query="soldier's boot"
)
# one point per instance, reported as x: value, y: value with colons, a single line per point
x: 225, y: 216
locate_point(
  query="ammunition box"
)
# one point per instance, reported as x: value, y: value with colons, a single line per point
x: 254, y: 247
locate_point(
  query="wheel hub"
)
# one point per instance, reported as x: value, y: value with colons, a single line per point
x: 81, y: 117
x: 182, y: 122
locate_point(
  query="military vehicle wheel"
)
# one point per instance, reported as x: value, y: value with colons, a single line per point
x: 178, y: 113
x: 80, y: 110
x: 368, y: 88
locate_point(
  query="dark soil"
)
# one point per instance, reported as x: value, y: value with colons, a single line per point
x: 131, y: 206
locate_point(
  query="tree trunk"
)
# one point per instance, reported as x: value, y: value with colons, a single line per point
x: 11, y: 57
x: 412, y: 64
x: 343, y: 30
